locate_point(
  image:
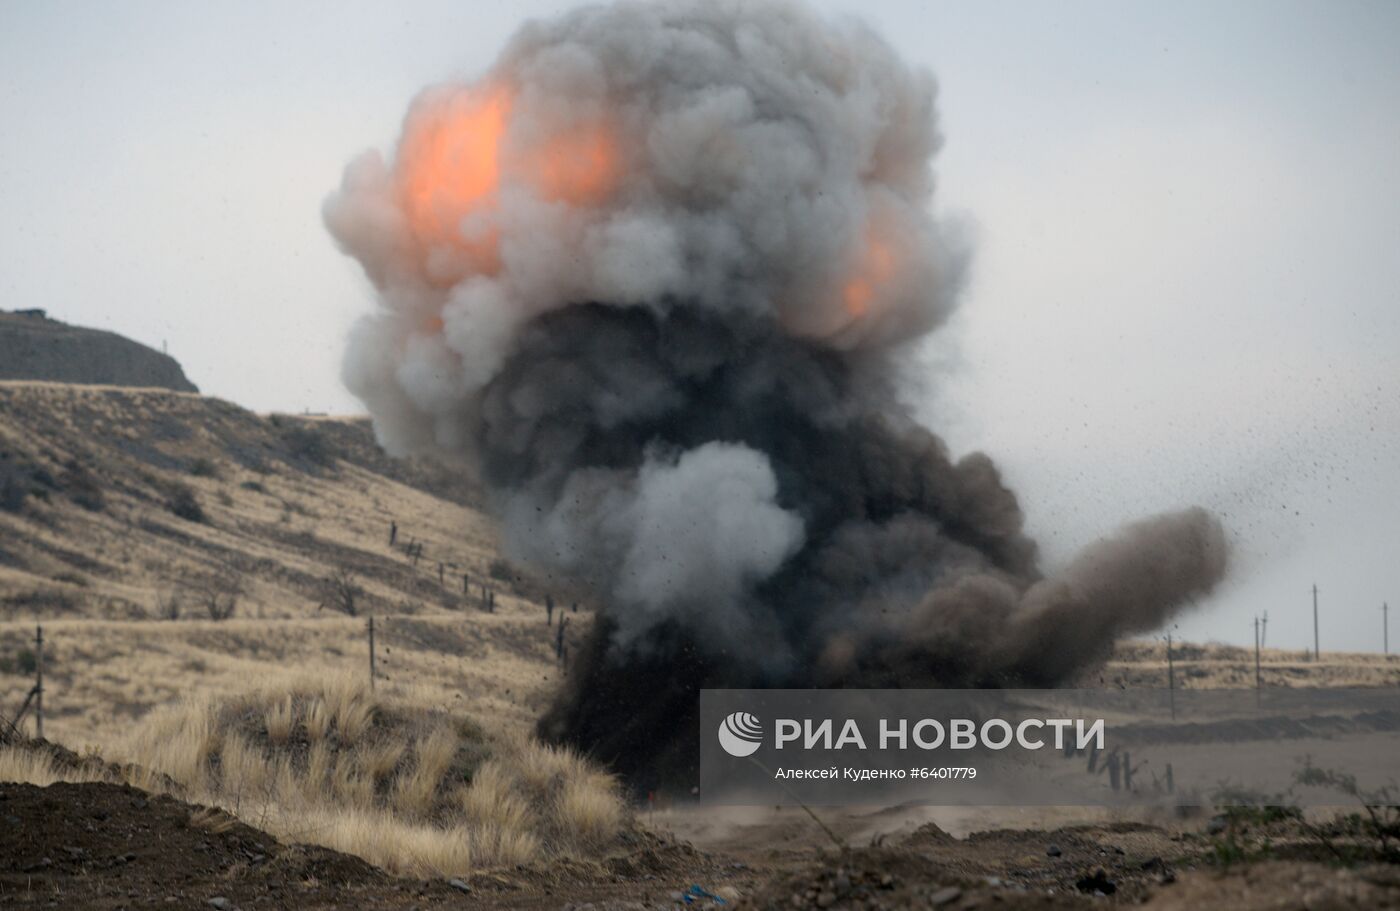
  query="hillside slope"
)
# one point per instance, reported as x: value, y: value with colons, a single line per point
x: 126, y: 514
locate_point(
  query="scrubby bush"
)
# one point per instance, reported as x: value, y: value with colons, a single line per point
x: 204, y: 468
x: 220, y: 605
x: 181, y: 500
x: 13, y: 488
x: 303, y: 442
x: 69, y: 577
x: 82, y: 486
x: 168, y: 606
x: 342, y: 593
x: 1376, y: 826
x: 41, y: 602
x: 12, y: 495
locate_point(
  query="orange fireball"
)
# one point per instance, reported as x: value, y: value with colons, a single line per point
x: 874, y: 267
x: 577, y: 166
x: 449, y: 167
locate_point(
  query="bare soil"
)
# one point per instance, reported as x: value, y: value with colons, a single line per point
x: 105, y: 846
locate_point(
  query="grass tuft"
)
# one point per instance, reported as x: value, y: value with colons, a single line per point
x: 416, y: 791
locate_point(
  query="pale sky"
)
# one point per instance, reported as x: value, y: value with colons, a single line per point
x: 1187, y: 277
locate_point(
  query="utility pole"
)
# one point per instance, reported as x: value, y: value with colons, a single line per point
x: 1385, y: 627
x: 1264, y: 631
x: 39, y: 682
x: 1317, y: 651
x: 1258, y: 677
x: 371, y: 653
x: 1171, y: 678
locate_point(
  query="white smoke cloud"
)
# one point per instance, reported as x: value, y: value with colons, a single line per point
x: 685, y: 537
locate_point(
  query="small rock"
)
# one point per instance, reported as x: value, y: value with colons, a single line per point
x: 1216, y: 825
x: 993, y: 881
x: 460, y: 885
x: 1152, y: 864
x: 680, y: 896
x: 842, y: 882
x: 1053, y: 851
x: 945, y: 896
x: 886, y: 881
x: 797, y: 899
x: 219, y: 903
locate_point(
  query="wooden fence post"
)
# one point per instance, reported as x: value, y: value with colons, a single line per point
x: 371, y: 653
x: 1171, y: 677
x: 39, y: 682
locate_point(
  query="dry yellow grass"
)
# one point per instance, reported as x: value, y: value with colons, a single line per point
x: 37, y: 767
x: 1141, y: 663
x: 380, y: 759
x: 414, y: 790
x: 101, y: 676
x: 279, y: 721
x: 419, y: 786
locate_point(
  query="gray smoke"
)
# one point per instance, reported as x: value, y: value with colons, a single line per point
x: 656, y: 274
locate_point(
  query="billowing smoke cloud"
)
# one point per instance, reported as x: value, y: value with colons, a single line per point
x: 655, y: 274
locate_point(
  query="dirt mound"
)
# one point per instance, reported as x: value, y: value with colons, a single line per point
x: 112, y: 846
x: 108, y: 846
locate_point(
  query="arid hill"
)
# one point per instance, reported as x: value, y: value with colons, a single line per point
x: 174, y: 545
x: 34, y: 347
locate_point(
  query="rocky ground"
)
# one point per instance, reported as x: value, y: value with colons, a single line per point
x: 106, y: 846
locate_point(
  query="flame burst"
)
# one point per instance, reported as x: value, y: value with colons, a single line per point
x: 577, y: 166
x: 874, y: 268
x: 449, y: 167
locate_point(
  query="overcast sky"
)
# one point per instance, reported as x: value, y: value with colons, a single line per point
x: 1187, y: 279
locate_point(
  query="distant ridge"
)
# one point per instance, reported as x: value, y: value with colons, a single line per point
x: 34, y: 347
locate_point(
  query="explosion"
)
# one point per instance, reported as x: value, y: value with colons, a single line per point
x: 656, y: 274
